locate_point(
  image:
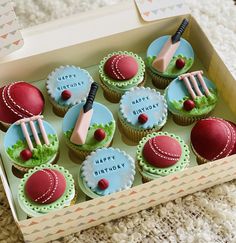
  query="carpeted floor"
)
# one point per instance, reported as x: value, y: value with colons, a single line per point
x: 207, y: 216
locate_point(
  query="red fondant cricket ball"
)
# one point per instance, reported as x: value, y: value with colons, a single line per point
x: 26, y: 154
x: 66, y: 94
x: 213, y: 138
x: 121, y: 67
x: 188, y: 105
x: 142, y: 118
x: 103, y: 184
x: 180, y: 63
x: 19, y: 100
x: 99, y: 134
x: 45, y: 186
x: 162, y: 151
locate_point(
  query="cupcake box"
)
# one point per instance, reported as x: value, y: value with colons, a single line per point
x: 85, y: 49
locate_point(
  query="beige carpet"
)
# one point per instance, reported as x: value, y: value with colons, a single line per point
x: 208, y: 216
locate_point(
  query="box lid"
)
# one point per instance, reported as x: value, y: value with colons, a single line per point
x: 151, y: 10
x: 10, y: 36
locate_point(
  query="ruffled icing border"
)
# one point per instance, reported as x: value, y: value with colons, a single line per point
x: 85, y: 166
x: 157, y: 123
x: 138, y: 78
x: 45, y: 208
x: 52, y: 77
x: 180, y: 165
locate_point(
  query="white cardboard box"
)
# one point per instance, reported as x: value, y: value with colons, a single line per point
x: 84, y: 41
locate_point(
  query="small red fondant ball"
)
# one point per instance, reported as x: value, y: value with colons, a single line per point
x: 180, y: 63
x: 142, y: 118
x: 26, y: 154
x: 189, y: 105
x: 66, y: 94
x: 103, y: 184
x: 99, y: 134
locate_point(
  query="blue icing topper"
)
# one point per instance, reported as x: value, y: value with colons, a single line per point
x: 155, y: 47
x: 101, y: 115
x: 14, y: 133
x: 74, y: 79
x: 143, y: 100
x: 111, y: 164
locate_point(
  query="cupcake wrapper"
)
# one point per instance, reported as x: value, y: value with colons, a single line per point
x: 158, y: 81
x: 199, y: 159
x: 185, y: 121
x: 112, y: 95
x: 4, y: 126
x: 135, y: 135
x: 57, y: 109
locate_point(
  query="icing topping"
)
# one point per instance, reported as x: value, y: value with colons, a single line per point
x: 45, y: 186
x: 111, y: 164
x: 141, y: 100
x: 70, y: 78
x: 16, y: 101
x: 162, y: 151
x: 213, y: 138
x: 121, y: 67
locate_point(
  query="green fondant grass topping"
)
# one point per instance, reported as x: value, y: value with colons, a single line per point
x: 171, y: 70
x: 203, y: 105
x: 41, y: 153
x: 91, y: 143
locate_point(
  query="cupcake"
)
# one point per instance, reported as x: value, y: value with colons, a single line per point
x: 31, y: 142
x: 19, y: 100
x: 120, y: 71
x: 106, y: 171
x: 191, y: 97
x: 100, y: 132
x: 168, y: 57
x: 67, y: 86
x: 142, y: 111
x: 212, y: 139
x: 160, y: 154
x: 45, y: 189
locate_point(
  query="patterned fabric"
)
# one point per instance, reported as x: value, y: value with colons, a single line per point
x: 207, y: 216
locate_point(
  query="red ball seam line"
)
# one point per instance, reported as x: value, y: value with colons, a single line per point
x: 158, y: 154
x: 50, y: 186
x: 117, y: 68
x: 9, y: 95
x: 113, y: 68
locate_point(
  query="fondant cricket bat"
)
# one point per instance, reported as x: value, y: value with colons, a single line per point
x: 83, y: 122
x: 167, y: 52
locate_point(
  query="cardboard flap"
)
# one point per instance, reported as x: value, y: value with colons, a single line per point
x: 10, y: 36
x: 151, y: 10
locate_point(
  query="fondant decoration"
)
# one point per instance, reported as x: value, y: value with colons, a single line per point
x: 83, y: 122
x: 188, y: 105
x: 66, y: 94
x: 192, y: 85
x: 112, y: 164
x: 180, y: 63
x: 31, y: 120
x: 140, y: 100
x: 168, y: 50
x: 213, y: 138
x: 142, y: 118
x: 121, y: 67
x: 99, y: 134
x: 26, y: 154
x: 71, y: 78
x: 20, y: 100
x: 45, y: 186
x: 162, y: 151
x: 103, y: 184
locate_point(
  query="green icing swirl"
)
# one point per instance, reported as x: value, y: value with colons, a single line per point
x: 41, y: 153
x: 124, y: 85
x: 91, y: 143
x: 155, y: 171
x: 171, y: 71
x: 203, y: 105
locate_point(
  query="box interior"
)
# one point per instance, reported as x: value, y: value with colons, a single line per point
x: 87, y: 55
